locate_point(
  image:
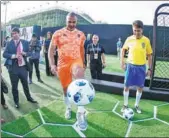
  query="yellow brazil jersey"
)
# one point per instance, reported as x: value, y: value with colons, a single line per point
x: 138, y: 49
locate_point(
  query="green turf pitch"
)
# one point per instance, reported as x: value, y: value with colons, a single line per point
x: 5, y: 135
x: 102, y: 122
x: 151, y: 128
x: 163, y: 112
x: 99, y: 102
x: 54, y: 113
x: 53, y: 131
x: 24, y: 124
x: 105, y: 124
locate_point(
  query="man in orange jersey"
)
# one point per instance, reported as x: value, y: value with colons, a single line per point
x: 70, y: 44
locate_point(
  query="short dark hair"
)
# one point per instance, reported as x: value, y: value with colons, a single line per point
x: 138, y: 24
x: 71, y: 14
x: 15, y: 29
x: 34, y: 35
x: 7, y: 37
x: 96, y: 35
x: 50, y: 33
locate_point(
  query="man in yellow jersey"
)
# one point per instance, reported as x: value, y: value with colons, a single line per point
x: 70, y: 44
x: 135, y: 70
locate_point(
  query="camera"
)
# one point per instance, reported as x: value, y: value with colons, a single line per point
x: 34, y: 46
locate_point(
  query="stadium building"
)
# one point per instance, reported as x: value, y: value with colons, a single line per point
x: 50, y: 17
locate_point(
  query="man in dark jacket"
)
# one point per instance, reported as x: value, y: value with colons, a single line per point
x: 34, y: 48
x: 3, y: 89
x: 45, y: 51
x: 15, y: 53
x: 95, y: 58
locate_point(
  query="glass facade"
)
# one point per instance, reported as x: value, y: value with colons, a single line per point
x: 51, y: 18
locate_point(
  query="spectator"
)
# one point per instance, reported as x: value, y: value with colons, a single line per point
x: 3, y: 88
x: 96, y: 58
x: 7, y: 39
x: 87, y: 42
x: 45, y: 52
x: 34, y: 48
x: 119, y: 46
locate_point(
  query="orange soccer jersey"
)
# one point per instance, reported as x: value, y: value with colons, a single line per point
x: 70, y: 45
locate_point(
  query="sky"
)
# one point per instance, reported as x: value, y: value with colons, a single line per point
x: 112, y: 12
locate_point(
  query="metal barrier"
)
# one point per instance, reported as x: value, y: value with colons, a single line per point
x: 160, y: 73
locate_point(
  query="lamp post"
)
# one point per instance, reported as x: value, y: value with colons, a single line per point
x: 5, y: 3
x: 40, y: 16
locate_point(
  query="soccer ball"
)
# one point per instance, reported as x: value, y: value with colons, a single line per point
x: 128, y: 114
x: 80, y: 92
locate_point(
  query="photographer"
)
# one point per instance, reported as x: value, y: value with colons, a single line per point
x: 34, y: 48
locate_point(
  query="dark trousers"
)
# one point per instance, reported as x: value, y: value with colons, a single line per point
x: 2, y: 98
x: 48, y: 72
x: 96, y: 70
x: 20, y: 74
x: 85, y: 59
x: 36, y: 64
x: 56, y: 58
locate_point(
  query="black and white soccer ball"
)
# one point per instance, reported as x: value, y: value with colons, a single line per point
x: 128, y: 114
x: 80, y: 92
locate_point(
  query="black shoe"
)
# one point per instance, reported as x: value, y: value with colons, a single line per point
x: 17, y: 105
x: 39, y: 80
x: 52, y: 74
x: 48, y: 74
x: 5, y: 106
x: 32, y: 100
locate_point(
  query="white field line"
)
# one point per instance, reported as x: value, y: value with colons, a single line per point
x: 119, y: 115
x: 163, y: 104
x: 143, y: 120
x: 114, y: 110
x: 54, y: 124
x: 162, y: 121
x: 12, y: 134
x: 129, y: 129
x: 116, y: 106
x: 33, y: 130
x: 99, y: 111
x: 41, y: 117
x: 155, y: 112
x: 78, y: 131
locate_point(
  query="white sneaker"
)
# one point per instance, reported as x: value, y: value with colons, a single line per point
x: 138, y: 110
x: 81, y: 121
x: 68, y: 113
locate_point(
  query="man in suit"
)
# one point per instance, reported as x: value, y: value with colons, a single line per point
x: 15, y: 53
